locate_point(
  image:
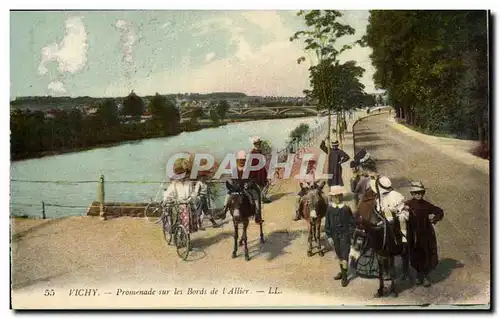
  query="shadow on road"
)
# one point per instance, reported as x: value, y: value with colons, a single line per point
x: 204, y: 242
x: 275, y: 244
x: 362, y: 138
x: 43, y: 279
x: 444, y: 269
x: 440, y: 273
x: 400, y: 182
x: 277, y: 196
x: 384, y: 161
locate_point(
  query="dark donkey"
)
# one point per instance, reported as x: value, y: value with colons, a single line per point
x: 313, y: 208
x: 241, y: 209
x: 383, y: 237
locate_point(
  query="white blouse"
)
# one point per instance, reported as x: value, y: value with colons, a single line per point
x: 178, y: 190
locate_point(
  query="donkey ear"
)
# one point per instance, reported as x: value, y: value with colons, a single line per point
x: 229, y: 186
x: 321, y: 184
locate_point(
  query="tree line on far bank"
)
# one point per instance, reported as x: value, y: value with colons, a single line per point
x: 33, y: 134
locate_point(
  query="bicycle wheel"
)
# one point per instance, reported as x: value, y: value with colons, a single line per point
x: 168, y: 229
x: 182, y: 241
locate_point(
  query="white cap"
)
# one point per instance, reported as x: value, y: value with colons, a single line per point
x: 384, y: 183
x: 255, y: 139
x: 241, y: 155
x: 336, y: 190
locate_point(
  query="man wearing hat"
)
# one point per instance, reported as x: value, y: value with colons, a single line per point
x: 260, y: 176
x: 339, y: 227
x: 336, y: 159
x: 253, y: 192
x: 423, y: 243
x: 201, y: 191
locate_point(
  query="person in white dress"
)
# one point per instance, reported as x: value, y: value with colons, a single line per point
x: 391, y: 203
x: 179, y: 189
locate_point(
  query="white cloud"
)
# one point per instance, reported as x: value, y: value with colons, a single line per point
x: 71, y: 53
x: 128, y: 39
x: 57, y: 87
x: 209, y: 57
x: 270, y: 69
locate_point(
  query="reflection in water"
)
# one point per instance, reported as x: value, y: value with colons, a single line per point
x: 139, y: 161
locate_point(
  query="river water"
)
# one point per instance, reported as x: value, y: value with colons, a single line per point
x: 132, y: 161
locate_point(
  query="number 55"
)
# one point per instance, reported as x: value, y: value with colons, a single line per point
x: 49, y: 292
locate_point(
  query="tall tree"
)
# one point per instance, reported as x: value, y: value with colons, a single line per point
x: 434, y: 68
x: 320, y: 37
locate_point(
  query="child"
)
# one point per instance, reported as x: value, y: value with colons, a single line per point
x: 305, y: 185
x: 201, y: 191
x: 339, y: 227
x: 422, y: 243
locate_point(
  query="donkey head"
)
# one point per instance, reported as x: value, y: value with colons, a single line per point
x: 316, y: 200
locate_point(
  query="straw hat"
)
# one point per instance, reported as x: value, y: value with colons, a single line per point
x: 417, y: 186
x: 383, y: 183
x: 256, y: 139
x: 180, y: 166
x: 336, y: 190
x: 335, y: 143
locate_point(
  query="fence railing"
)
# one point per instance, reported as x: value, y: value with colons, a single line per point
x: 311, y: 138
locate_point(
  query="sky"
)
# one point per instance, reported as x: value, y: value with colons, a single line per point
x: 111, y: 53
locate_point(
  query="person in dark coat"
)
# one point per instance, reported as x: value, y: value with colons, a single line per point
x: 336, y: 159
x: 260, y: 176
x: 339, y: 227
x: 422, y: 242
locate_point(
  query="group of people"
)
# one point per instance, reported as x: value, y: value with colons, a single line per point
x: 343, y: 228
x: 183, y: 188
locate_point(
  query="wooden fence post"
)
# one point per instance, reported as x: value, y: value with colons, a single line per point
x: 43, y: 210
x: 102, y: 212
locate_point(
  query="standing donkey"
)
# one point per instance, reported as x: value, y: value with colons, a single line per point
x: 314, y: 205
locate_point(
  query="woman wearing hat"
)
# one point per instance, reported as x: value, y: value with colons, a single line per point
x: 336, y: 159
x: 180, y: 189
x: 391, y: 204
x: 423, y: 243
x: 339, y: 227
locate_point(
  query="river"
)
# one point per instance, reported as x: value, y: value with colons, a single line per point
x: 131, y: 161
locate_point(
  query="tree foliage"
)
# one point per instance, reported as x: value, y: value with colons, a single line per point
x: 434, y: 67
x: 133, y: 105
x: 334, y: 85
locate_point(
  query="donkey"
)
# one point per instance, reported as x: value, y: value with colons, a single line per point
x: 313, y: 209
x: 241, y: 209
x: 384, y: 238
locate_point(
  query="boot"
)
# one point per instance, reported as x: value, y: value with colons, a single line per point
x: 420, y: 279
x: 426, y: 282
x: 214, y: 223
x: 343, y: 271
x: 339, y: 275
x: 297, y: 216
x: 344, y: 281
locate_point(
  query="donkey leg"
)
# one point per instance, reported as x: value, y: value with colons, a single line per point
x: 261, y: 234
x: 235, y: 250
x: 392, y: 270
x: 318, y: 233
x: 309, y: 239
x: 380, y: 291
x: 245, y: 227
